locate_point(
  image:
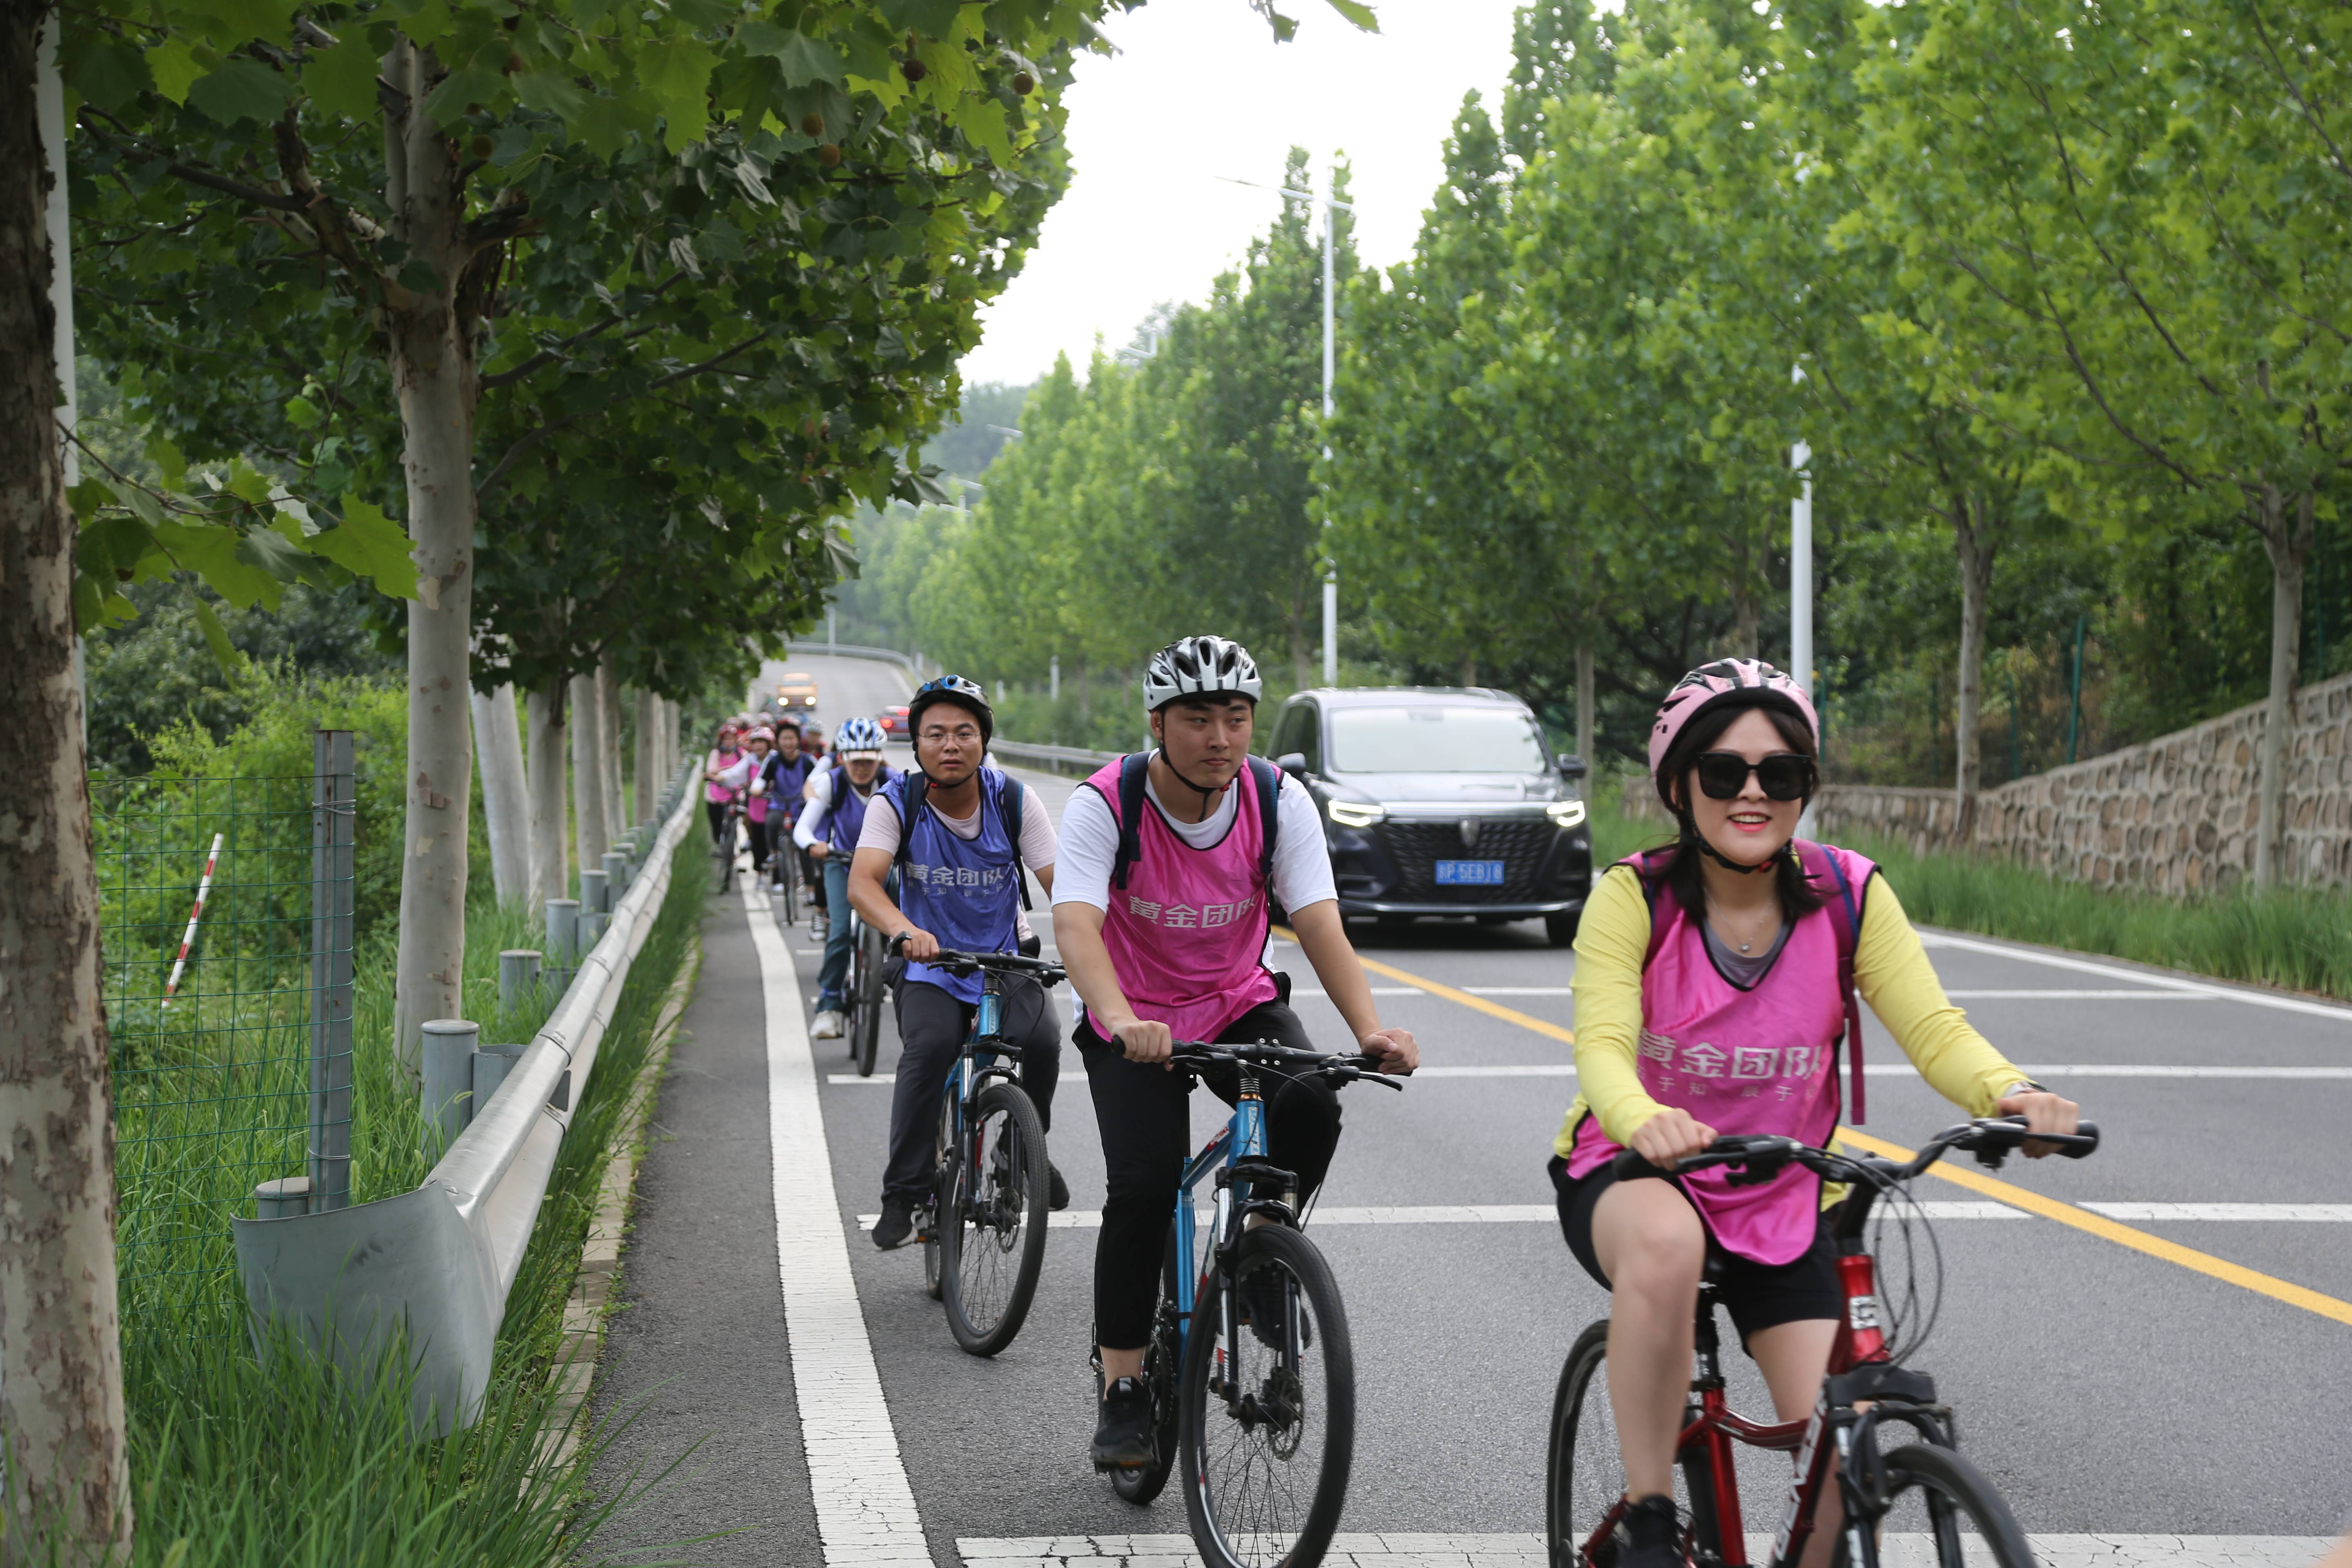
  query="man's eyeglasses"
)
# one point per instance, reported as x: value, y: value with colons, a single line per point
x: 1785, y: 775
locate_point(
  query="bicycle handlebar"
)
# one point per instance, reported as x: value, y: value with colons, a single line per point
x: 964, y: 964
x: 1763, y: 1156
x: 1343, y: 1067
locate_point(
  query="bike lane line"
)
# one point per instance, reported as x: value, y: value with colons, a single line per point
x: 864, y: 1505
x: 2083, y: 1219
x: 1453, y: 994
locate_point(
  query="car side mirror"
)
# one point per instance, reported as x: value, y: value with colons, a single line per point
x: 1572, y: 768
x: 1294, y: 764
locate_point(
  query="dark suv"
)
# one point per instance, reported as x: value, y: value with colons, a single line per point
x: 1441, y: 801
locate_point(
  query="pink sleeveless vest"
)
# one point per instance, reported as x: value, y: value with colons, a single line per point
x: 1743, y: 1061
x: 1187, y: 933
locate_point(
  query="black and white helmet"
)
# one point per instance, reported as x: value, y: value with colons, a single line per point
x: 1191, y: 666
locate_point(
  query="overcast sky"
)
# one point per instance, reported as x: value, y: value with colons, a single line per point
x: 1198, y: 90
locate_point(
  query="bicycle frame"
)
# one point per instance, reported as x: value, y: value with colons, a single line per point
x: 1241, y: 1138
x: 979, y: 1063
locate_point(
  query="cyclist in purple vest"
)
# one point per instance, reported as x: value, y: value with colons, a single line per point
x: 971, y: 831
x: 1170, y: 945
x: 827, y: 831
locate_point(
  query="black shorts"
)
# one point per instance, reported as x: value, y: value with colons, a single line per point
x: 1758, y: 1295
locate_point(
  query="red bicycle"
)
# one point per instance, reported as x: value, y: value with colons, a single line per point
x: 1904, y: 1488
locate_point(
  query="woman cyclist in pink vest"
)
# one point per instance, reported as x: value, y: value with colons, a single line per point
x: 1710, y: 999
x: 1171, y: 947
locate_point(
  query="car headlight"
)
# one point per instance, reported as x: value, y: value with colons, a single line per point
x: 1347, y: 814
x: 1565, y: 813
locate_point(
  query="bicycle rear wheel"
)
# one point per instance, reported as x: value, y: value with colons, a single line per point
x: 789, y: 883
x: 727, y: 857
x: 943, y: 1144
x: 1162, y: 1360
x: 1584, y: 1479
x: 1941, y: 1509
x: 866, y: 1001
x: 1269, y: 1416
x: 991, y: 1223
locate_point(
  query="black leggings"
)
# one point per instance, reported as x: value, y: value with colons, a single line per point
x: 932, y: 1024
x: 718, y: 811
x: 1145, y: 1116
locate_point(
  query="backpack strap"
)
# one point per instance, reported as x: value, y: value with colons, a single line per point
x: 1133, y: 770
x: 1650, y: 867
x: 1820, y: 867
x: 1010, y: 795
x: 911, y: 795
x: 1269, y: 819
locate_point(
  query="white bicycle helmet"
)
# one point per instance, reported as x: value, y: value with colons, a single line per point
x: 1194, y: 666
x: 857, y: 736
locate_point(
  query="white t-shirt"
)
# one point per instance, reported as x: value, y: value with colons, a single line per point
x: 1037, y: 844
x: 1302, y: 861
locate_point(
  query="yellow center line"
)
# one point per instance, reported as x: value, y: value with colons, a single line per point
x: 1492, y: 1009
x: 2121, y: 1235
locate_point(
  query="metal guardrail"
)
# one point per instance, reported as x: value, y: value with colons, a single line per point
x: 856, y: 650
x: 436, y: 1263
x: 1059, y: 758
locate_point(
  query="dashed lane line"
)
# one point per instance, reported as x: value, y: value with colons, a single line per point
x: 1882, y: 1069
x: 1454, y: 993
x: 2107, y: 1229
x: 2303, y: 1214
x: 1901, y: 1550
x: 864, y: 1507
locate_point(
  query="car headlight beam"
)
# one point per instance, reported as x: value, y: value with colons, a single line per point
x: 1349, y: 814
x: 1566, y: 812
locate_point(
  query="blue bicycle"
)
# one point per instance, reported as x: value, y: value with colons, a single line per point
x: 984, y: 1235
x: 1250, y: 1368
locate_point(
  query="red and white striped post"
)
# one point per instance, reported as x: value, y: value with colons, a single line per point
x: 203, y: 889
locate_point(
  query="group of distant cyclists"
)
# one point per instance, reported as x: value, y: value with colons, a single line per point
x: 1715, y: 985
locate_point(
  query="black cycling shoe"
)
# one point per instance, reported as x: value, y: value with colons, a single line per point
x: 1652, y: 1534
x: 1058, y: 1190
x: 897, y: 1224
x: 1123, y: 1436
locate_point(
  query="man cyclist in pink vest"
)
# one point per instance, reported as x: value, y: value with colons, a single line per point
x: 1167, y: 942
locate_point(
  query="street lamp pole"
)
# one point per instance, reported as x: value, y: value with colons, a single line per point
x: 1331, y: 207
x: 1801, y: 587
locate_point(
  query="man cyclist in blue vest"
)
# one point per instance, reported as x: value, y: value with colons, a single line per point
x: 961, y: 857
x: 827, y: 831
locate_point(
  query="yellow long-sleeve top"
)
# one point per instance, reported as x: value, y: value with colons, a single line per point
x: 1890, y: 970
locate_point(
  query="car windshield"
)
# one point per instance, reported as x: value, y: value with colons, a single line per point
x: 1434, y: 739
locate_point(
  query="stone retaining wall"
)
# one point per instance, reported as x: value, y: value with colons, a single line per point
x: 2174, y: 815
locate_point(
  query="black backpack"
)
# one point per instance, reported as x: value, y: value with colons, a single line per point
x: 1135, y: 768
x: 1009, y: 795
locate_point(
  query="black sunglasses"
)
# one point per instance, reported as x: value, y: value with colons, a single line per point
x: 1785, y: 775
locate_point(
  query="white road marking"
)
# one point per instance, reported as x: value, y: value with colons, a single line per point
x: 2142, y: 995
x: 2135, y: 977
x: 885, y: 1078
x: 1474, y: 1214
x: 1467, y: 1551
x: 864, y: 1507
x: 1520, y: 990
x: 1903, y: 1070
x: 2326, y: 1214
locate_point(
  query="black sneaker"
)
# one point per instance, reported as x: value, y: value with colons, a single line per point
x: 897, y: 1224
x: 1123, y: 1437
x: 1262, y: 1305
x: 1058, y: 1190
x: 1651, y: 1533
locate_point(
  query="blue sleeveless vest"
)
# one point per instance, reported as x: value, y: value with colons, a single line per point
x: 961, y: 892
x: 846, y: 819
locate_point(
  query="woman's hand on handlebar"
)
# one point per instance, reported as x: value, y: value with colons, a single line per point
x: 1144, y: 1041
x: 1670, y: 1137
x: 819, y: 851
x: 1396, y: 1050
x: 2044, y: 1113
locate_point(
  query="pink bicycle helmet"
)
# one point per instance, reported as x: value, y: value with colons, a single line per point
x: 1742, y: 682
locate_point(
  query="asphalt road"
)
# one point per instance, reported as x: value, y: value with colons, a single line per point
x: 2109, y: 1392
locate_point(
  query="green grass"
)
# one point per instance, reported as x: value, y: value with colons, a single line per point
x: 238, y: 1462
x: 2300, y: 938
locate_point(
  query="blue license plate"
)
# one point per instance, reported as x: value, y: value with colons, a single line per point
x: 1469, y: 873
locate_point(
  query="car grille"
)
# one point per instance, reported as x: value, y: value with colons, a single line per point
x: 1519, y: 843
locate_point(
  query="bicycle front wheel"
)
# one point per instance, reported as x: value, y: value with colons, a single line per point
x: 1584, y: 1474
x: 1939, y: 1509
x: 991, y: 1223
x: 866, y: 1001
x: 1268, y: 1414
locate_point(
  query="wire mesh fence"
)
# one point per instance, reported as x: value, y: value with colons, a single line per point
x: 228, y: 952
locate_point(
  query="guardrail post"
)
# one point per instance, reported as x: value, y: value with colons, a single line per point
x: 284, y: 1197
x: 616, y: 876
x: 517, y: 978
x: 595, y: 894
x: 592, y: 931
x: 562, y: 943
x: 333, y: 821
x: 448, y: 1080
x: 490, y: 1066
